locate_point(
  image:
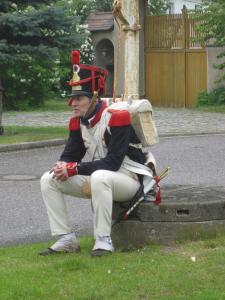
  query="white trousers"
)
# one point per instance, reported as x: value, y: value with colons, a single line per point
x: 106, y: 186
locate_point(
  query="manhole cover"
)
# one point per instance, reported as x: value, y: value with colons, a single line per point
x: 19, y: 177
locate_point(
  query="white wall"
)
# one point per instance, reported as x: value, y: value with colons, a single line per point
x: 177, y: 5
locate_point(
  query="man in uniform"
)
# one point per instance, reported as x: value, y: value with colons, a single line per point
x: 109, y: 139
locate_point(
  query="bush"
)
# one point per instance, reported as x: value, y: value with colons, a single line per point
x: 29, y: 84
x: 215, y: 97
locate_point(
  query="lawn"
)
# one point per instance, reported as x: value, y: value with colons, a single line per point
x: 50, y: 105
x: 190, y: 270
x: 19, y: 134
x: 211, y: 108
x: 54, y: 105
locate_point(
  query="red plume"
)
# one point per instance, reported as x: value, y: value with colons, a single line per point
x: 101, y: 85
x: 75, y: 57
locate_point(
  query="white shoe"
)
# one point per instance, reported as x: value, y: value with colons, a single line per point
x: 103, y: 245
x: 66, y: 244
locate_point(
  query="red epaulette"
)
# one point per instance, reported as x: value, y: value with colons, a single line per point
x: 119, y: 118
x: 74, y: 124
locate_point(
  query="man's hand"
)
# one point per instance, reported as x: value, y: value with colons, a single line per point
x: 62, y: 170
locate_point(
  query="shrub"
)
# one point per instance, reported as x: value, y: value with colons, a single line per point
x: 28, y: 84
x: 215, y: 97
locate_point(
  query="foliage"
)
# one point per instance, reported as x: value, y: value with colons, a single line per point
x: 75, y: 9
x: 103, y: 5
x: 215, y: 97
x: 27, y: 84
x: 212, y: 20
x: 78, y: 8
x: 153, y: 272
x: 158, y: 7
x: 81, y: 9
x: 32, y: 38
x: 36, y: 38
x: 35, y: 32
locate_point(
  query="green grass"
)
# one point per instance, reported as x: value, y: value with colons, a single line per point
x: 54, y: 105
x: 154, y: 272
x: 49, y: 105
x: 19, y: 134
x: 211, y: 108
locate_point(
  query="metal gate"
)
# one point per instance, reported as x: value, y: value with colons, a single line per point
x: 175, y: 60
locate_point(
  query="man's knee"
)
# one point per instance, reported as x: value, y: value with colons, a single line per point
x: 45, y: 181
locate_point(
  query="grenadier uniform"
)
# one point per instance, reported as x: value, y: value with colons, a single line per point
x: 109, y: 142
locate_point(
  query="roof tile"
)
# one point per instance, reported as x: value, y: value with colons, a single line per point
x: 100, y: 21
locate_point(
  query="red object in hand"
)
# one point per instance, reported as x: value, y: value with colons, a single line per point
x: 71, y: 168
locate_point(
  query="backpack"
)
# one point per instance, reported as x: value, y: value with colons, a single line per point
x: 141, y: 119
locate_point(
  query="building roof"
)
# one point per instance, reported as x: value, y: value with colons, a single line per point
x: 100, y: 21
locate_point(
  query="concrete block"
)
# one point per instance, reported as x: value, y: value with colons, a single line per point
x: 186, y: 212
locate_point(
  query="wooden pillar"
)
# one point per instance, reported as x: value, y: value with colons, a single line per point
x: 126, y: 12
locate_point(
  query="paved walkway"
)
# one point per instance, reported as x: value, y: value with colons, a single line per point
x: 169, y: 121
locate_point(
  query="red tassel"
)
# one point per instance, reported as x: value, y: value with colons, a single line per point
x: 101, y: 85
x: 75, y: 57
x: 158, y: 196
x: 125, y: 217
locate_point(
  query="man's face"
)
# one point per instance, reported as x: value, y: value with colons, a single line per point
x: 80, y: 105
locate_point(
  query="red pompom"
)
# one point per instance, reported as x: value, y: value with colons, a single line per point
x: 75, y: 57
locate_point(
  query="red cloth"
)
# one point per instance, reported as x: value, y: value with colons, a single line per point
x: 158, y: 193
x: 74, y: 123
x: 71, y: 168
x: 119, y: 118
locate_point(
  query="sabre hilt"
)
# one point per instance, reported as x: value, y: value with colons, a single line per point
x: 164, y: 173
x: 139, y: 196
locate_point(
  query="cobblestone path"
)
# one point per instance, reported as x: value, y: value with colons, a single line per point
x: 169, y: 121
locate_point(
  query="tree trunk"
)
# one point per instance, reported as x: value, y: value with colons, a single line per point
x: 1, y: 105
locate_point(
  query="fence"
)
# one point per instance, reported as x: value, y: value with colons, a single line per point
x: 175, y: 60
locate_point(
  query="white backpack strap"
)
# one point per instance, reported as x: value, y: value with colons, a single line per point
x: 92, y: 143
x: 94, y: 137
x: 136, y: 167
x: 138, y: 146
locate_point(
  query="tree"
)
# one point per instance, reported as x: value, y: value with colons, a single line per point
x: 212, y: 20
x: 103, y: 5
x: 82, y: 8
x: 158, y: 7
x: 33, y: 33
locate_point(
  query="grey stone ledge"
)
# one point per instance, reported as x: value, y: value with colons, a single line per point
x: 31, y: 145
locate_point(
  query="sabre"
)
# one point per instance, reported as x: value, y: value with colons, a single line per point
x: 154, y: 181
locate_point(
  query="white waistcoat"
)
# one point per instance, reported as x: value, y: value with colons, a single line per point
x: 96, y: 149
